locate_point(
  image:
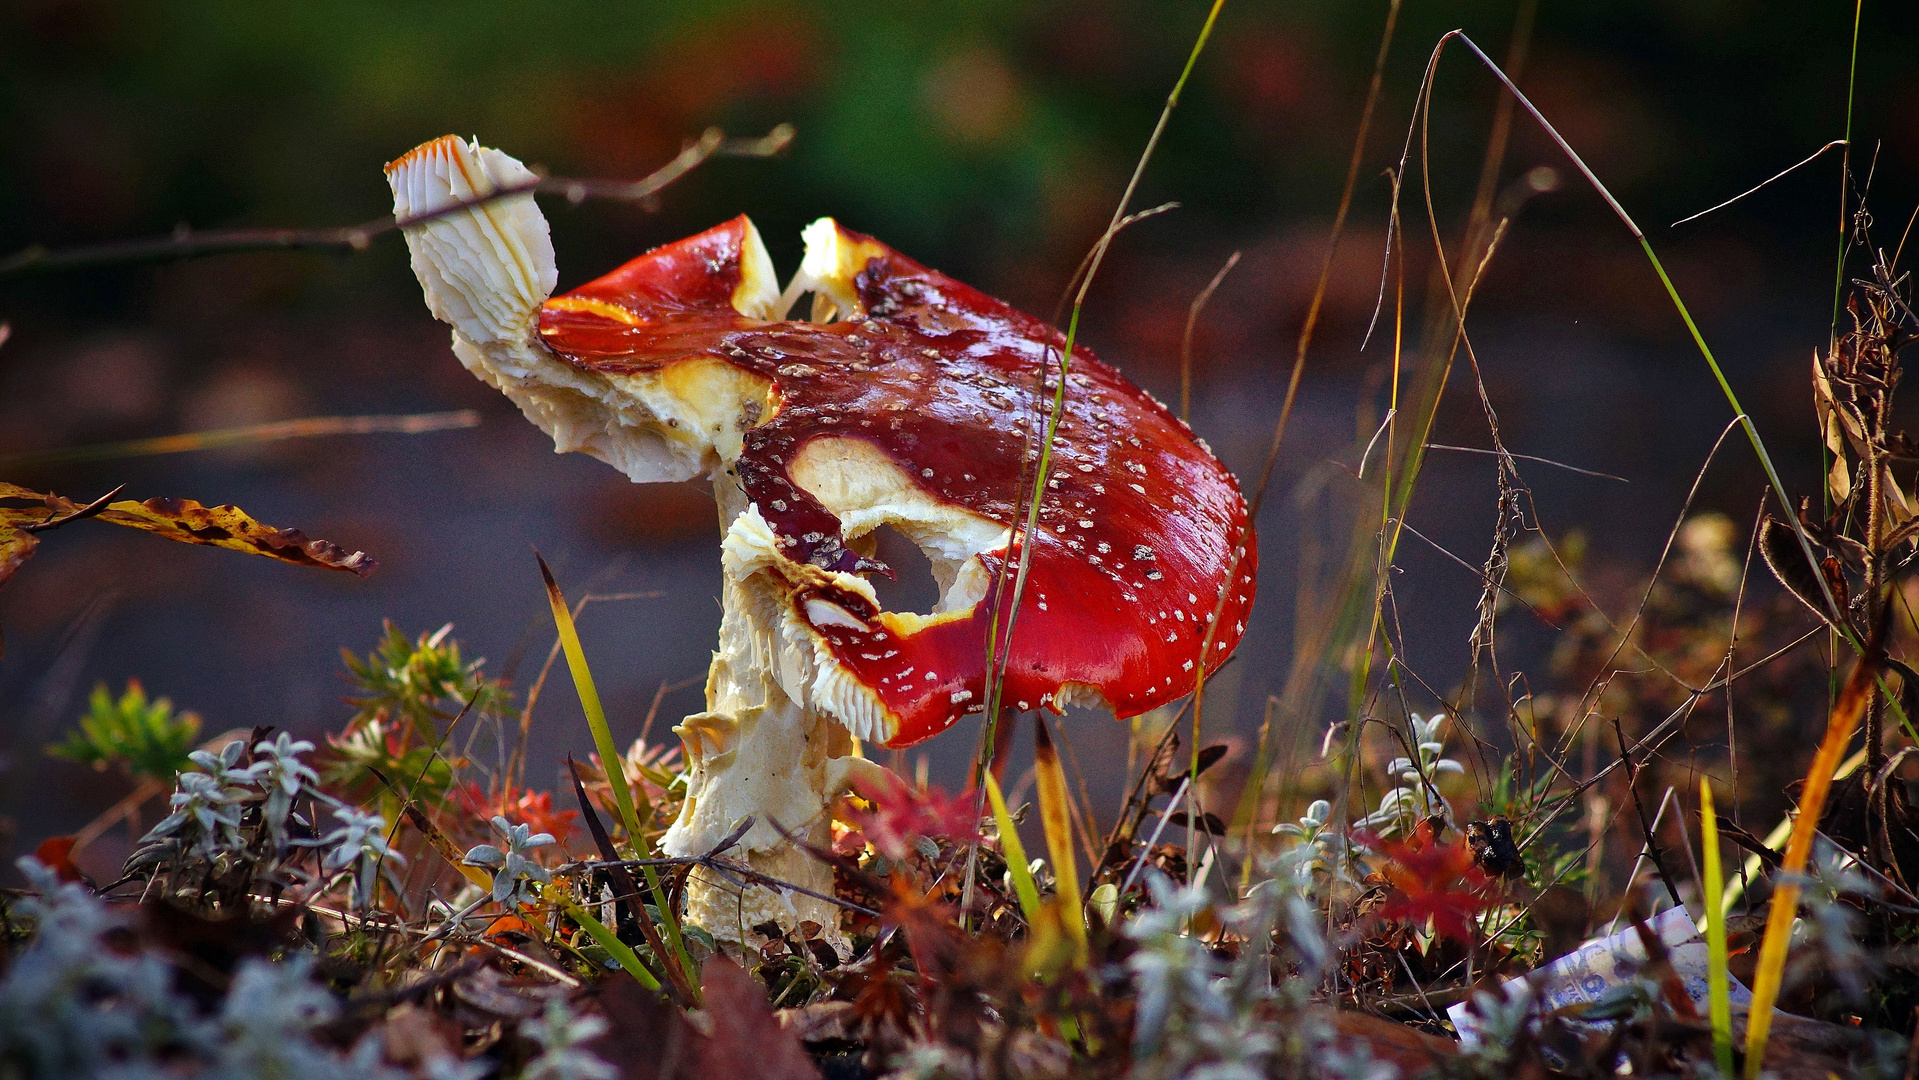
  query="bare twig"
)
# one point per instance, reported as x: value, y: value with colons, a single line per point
x: 186, y: 243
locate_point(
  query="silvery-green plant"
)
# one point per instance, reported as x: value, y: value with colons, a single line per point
x: 932, y: 1061
x: 1832, y: 924
x: 1198, y: 1016
x: 359, y: 846
x: 1501, y: 1017
x: 1355, y: 1062
x: 1320, y: 849
x: 1416, y: 796
x: 229, y: 817
x: 563, y: 1034
x: 265, y: 1027
x: 74, y: 1003
x: 205, y: 817
x: 515, y: 876
x: 283, y: 776
x: 72, y: 1006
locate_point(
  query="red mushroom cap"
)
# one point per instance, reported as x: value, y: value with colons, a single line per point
x: 1139, y: 528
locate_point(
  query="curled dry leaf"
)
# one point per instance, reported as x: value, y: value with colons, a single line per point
x: 230, y: 527
x: 183, y: 520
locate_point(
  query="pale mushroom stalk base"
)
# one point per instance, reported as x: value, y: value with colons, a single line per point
x: 755, y: 752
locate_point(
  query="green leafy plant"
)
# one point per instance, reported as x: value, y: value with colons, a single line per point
x: 423, y: 681
x: 410, y: 690
x: 143, y: 736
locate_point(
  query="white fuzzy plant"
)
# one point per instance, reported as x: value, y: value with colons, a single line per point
x: 76, y: 1002
x: 225, y: 815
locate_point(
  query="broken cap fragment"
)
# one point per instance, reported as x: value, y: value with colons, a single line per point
x: 920, y: 407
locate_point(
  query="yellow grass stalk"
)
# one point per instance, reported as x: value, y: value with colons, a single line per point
x: 1056, y: 816
x: 1846, y: 713
x: 610, y: 759
x: 612, y: 764
x: 1718, y: 988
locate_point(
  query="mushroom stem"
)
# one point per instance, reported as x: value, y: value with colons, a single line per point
x: 757, y: 753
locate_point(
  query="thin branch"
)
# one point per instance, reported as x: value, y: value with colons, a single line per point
x: 186, y: 243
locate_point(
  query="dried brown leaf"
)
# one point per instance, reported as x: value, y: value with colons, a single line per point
x: 230, y: 527
x: 16, y: 547
x: 746, y: 1040
x: 1780, y: 550
x: 736, y: 1035
x: 647, y: 1037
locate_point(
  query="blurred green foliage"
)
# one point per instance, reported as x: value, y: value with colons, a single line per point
x: 144, y: 737
x: 980, y: 136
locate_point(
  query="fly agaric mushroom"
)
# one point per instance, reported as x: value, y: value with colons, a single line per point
x: 907, y: 400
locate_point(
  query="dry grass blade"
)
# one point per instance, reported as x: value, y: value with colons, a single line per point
x: 1672, y: 292
x: 999, y: 641
x: 1846, y: 714
x: 439, y: 841
x: 1326, y: 630
x: 307, y: 428
x: 1186, y: 339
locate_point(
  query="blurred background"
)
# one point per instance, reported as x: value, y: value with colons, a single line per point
x: 990, y: 140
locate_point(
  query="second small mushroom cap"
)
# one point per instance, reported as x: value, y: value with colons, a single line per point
x: 919, y: 407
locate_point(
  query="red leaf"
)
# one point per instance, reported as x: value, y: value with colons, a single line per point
x: 56, y: 854
x: 902, y: 813
x: 1432, y: 880
x: 519, y: 807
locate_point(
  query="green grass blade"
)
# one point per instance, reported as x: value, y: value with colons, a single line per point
x: 671, y: 925
x: 607, y: 939
x: 1015, y: 853
x: 1845, y: 164
x: 610, y: 761
x: 590, y: 703
x: 1718, y: 987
